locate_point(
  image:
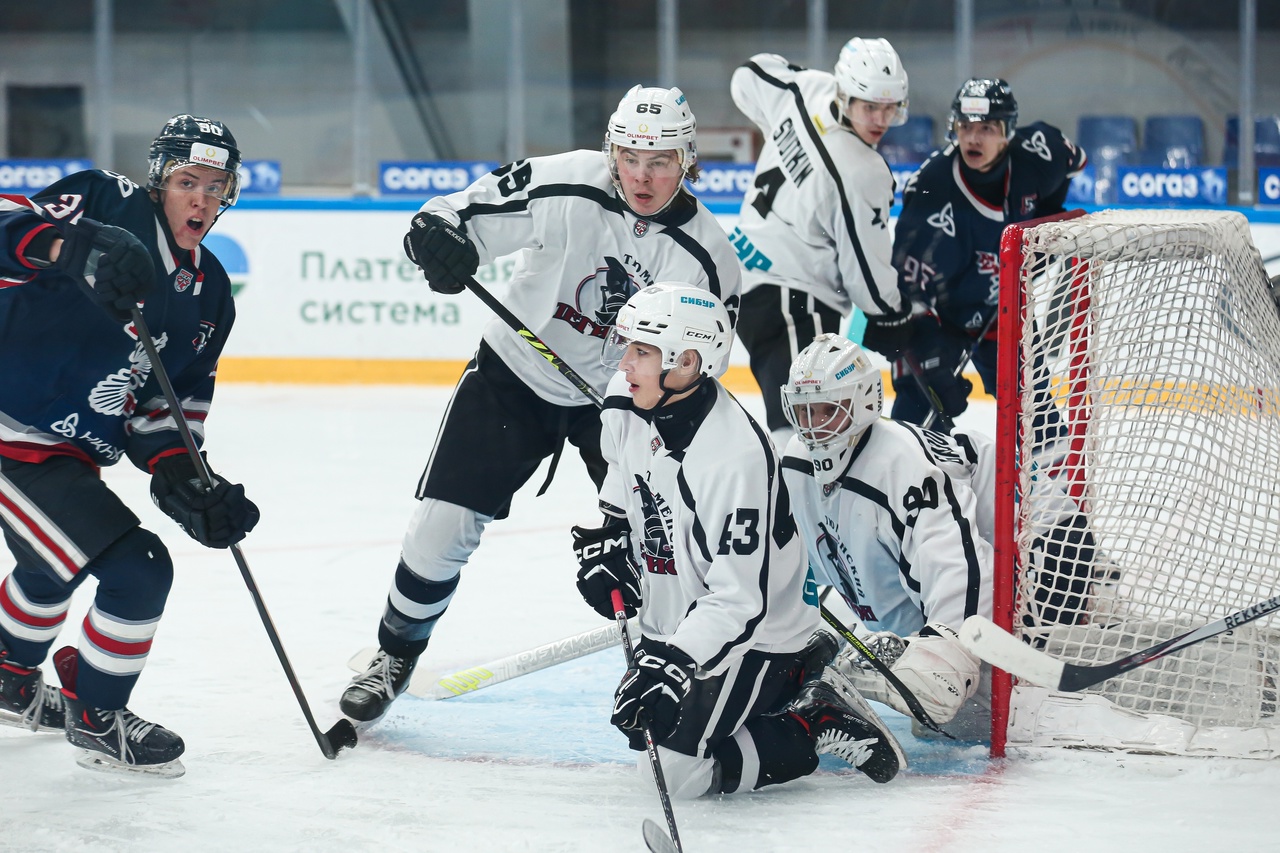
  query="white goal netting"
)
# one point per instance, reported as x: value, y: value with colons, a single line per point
x: 1149, y: 479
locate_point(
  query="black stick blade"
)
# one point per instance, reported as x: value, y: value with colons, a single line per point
x: 342, y: 736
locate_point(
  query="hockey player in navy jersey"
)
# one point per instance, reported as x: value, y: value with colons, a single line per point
x: 729, y: 674
x: 591, y: 228
x: 813, y: 236
x: 947, y: 240
x: 78, y: 393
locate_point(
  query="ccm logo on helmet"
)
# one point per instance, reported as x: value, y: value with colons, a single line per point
x: 693, y: 300
x: 696, y: 335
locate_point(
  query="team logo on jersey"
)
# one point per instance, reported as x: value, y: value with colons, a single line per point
x: 67, y: 426
x: 655, y: 444
x: 988, y: 264
x: 659, y: 559
x: 1029, y: 204
x: 182, y: 280
x: 840, y: 565
x: 944, y: 220
x: 201, y: 340
x: 598, y: 298
x: 1038, y: 145
x: 641, y: 227
x: 114, y: 395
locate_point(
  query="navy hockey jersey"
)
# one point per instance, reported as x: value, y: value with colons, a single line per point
x: 947, y: 243
x: 76, y: 382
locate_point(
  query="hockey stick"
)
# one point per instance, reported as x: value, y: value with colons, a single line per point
x: 343, y: 733
x: 533, y: 340
x: 917, y: 710
x: 654, y: 838
x: 999, y: 648
x: 434, y: 685
x: 964, y: 362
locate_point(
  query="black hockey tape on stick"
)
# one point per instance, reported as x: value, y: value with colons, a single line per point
x: 653, y: 837
x: 1001, y: 649
x: 533, y: 340
x: 343, y: 733
x: 917, y: 710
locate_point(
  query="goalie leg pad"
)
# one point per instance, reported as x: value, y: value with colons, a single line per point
x: 934, y: 666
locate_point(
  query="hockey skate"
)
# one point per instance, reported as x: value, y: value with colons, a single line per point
x: 121, y: 741
x: 371, y: 693
x: 26, y: 701
x: 842, y: 724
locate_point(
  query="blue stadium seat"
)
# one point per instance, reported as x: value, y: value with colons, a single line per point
x: 1174, y: 142
x: 1266, y: 142
x: 910, y: 143
x: 1110, y: 141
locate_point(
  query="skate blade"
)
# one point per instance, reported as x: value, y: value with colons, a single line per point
x: 90, y: 760
x: 8, y: 718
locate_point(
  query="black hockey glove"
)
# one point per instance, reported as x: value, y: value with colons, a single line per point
x: 887, y: 334
x: 443, y: 253
x: 216, y: 518
x: 937, y: 353
x: 111, y: 265
x: 653, y: 691
x: 604, y: 557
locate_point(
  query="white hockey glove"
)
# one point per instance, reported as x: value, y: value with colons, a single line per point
x: 933, y: 666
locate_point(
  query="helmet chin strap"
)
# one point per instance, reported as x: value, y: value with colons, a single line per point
x: 668, y: 393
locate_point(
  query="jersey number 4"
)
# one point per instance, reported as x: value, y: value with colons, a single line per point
x: 768, y: 183
x: 741, y: 532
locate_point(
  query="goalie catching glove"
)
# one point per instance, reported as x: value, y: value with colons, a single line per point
x: 443, y: 253
x: 653, y: 691
x: 932, y: 665
x: 604, y: 558
x: 110, y: 264
x: 216, y: 518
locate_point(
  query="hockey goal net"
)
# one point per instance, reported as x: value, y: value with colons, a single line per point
x: 1138, y: 479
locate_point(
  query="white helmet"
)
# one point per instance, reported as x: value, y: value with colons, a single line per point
x: 834, y: 371
x: 653, y: 119
x: 674, y: 317
x: 870, y: 70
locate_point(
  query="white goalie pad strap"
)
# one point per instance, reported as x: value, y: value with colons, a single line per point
x: 935, y: 667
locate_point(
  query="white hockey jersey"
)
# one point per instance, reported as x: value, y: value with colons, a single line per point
x: 582, y: 254
x: 901, y: 536
x: 724, y: 572
x: 818, y: 217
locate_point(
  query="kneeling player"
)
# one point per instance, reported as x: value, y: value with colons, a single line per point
x: 729, y: 673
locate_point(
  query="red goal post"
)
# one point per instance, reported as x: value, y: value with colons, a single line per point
x: 1138, y: 436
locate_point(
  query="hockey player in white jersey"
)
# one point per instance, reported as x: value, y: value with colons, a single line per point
x: 591, y: 227
x: 891, y: 520
x: 813, y: 235
x: 700, y: 541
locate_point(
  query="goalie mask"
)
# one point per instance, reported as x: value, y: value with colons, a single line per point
x: 984, y: 99
x: 653, y: 119
x: 187, y: 140
x: 870, y: 70
x: 673, y: 317
x: 833, y: 393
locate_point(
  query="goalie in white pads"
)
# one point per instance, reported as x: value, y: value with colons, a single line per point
x: 891, y: 519
x: 729, y: 674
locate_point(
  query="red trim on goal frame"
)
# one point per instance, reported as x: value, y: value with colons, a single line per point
x: 1008, y: 418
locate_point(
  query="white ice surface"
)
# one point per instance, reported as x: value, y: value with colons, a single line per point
x: 528, y: 765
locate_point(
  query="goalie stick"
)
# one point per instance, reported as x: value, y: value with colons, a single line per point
x: 1001, y: 649
x: 436, y: 685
